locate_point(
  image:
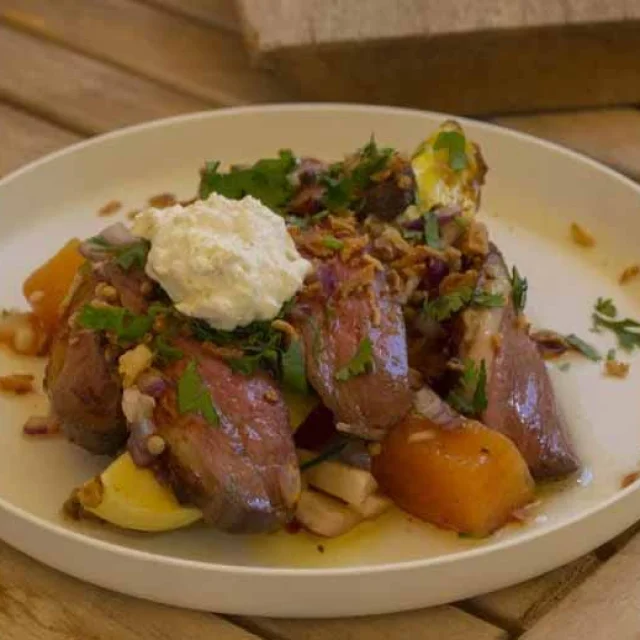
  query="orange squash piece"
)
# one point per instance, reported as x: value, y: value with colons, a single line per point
x: 468, y: 478
x: 46, y: 288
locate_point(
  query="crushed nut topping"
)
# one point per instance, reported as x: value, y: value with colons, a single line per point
x: 581, y: 236
x: 629, y: 274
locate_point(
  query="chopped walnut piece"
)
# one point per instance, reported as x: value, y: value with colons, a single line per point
x: 133, y: 362
x: 456, y: 281
x: 17, y: 383
x: 162, y: 200
x: 629, y: 274
x: 581, y: 236
x: 271, y: 396
x: 113, y: 206
x: 616, y: 369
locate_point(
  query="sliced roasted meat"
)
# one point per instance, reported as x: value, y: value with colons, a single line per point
x: 335, y: 325
x: 521, y: 401
x: 83, y: 387
x: 243, y: 472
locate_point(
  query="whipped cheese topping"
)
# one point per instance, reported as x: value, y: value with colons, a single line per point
x: 228, y: 262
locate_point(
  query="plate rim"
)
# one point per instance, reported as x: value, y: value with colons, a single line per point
x: 86, y: 540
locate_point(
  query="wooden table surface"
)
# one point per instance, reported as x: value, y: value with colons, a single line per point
x: 71, y: 69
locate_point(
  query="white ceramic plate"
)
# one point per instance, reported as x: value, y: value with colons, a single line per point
x: 534, y: 191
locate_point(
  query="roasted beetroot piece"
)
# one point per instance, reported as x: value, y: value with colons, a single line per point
x: 388, y: 198
x: 521, y: 401
x: 356, y: 350
x: 242, y: 471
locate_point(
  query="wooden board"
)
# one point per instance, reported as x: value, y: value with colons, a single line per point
x: 459, y: 56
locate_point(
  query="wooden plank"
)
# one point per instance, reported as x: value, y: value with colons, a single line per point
x: 291, y: 23
x: 82, y: 94
x: 521, y: 606
x: 38, y: 603
x: 605, y: 606
x: 217, y: 13
x: 609, y: 135
x: 25, y: 138
x: 428, y: 624
x: 210, y: 64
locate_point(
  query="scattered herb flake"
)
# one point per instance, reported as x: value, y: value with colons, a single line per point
x: 443, y: 307
x: 166, y: 352
x: 469, y: 397
x: 626, y: 331
x: 194, y: 397
x: 487, y: 299
x: 611, y: 355
x: 331, y: 242
x: 583, y: 347
x: 293, y: 368
x: 565, y: 366
x: 605, y: 307
x: 455, y: 144
x: 362, y: 362
x: 519, y: 288
x: 127, y: 327
x: 432, y: 230
x: 128, y: 255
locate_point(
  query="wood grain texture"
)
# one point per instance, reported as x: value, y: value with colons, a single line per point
x: 521, y: 606
x: 38, y: 603
x: 208, y: 63
x: 291, y: 23
x: 429, y: 624
x: 217, y: 13
x: 609, y: 135
x: 82, y: 94
x: 604, y: 607
x: 26, y: 138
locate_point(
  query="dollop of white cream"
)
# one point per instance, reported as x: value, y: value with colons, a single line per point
x: 228, y: 262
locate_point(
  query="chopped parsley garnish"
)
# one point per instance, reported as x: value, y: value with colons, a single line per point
x: 330, y: 452
x: 267, y: 180
x: 293, y: 368
x: 611, y: 355
x: 519, y: 288
x: 583, y: 347
x: 165, y: 352
x: 605, y: 307
x: 362, y: 362
x: 128, y: 255
x: 469, y: 397
x: 125, y: 325
x: 194, y: 397
x: 455, y: 144
x: 432, y: 231
x: 445, y: 306
x: 344, y: 184
x: 331, y: 242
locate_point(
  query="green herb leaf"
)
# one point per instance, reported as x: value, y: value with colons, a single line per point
x: 443, y: 307
x: 455, y: 144
x: 626, y: 331
x: 611, y: 355
x: 469, y: 397
x: 565, y: 366
x: 194, y: 397
x: 127, y: 256
x: 165, y: 352
x: 432, y: 231
x: 519, y: 288
x: 267, y: 180
x: 605, y: 307
x: 331, y: 242
x: 293, y: 368
x: 486, y: 299
x: 583, y: 347
x: 330, y: 452
x: 362, y: 362
x: 126, y: 326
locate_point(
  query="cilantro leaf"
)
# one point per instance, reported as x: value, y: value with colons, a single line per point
x: 519, y: 288
x: 194, y: 397
x: 432, y: 231
x: 165, y: 352
x: 127, y: 326
x: 331, y: 242
x: 605, y: 307
x: 583, y: 347
x: 267, y: 180
x: 443, y: 307
x: 127, y: 256
x: 455, y: 144
x: 487, y: 299
x: 362, y: 362
x: 611, y: 355
x: 293, y: 368
x: 627, y: 331
x: 469, y: 397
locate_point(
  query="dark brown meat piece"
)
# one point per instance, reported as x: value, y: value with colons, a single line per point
x: 521, y: 400
x: 84, y: 389
x: 388, y: 199
x: 333, y: 327
x: 243, y: 473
